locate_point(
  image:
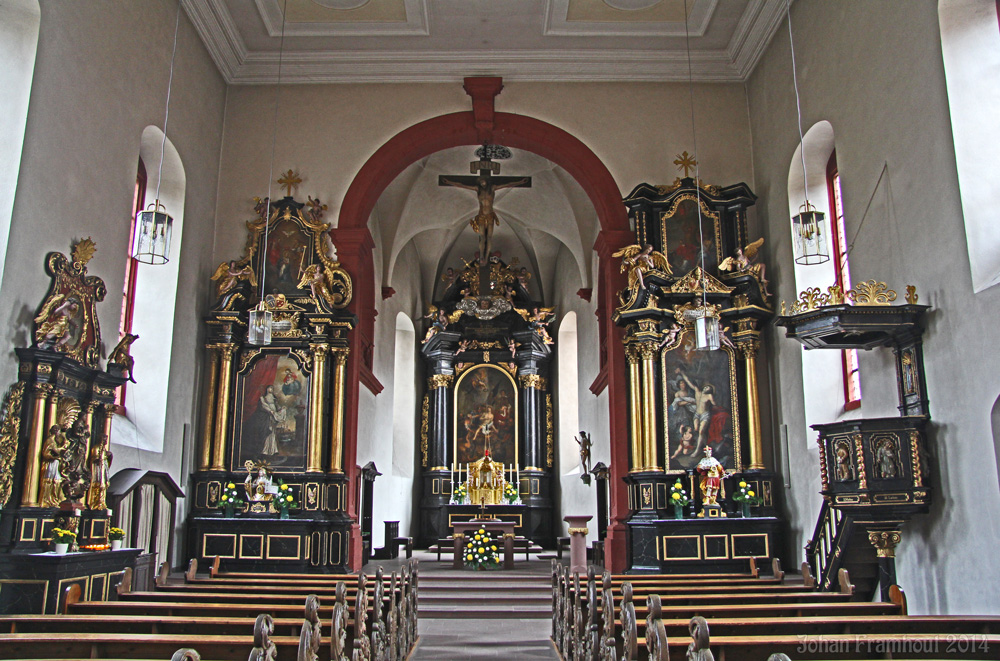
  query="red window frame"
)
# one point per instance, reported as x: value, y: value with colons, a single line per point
x: 131, y: 271
x: 842, y: 273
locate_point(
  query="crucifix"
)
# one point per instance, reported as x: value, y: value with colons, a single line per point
x: 485, y: 185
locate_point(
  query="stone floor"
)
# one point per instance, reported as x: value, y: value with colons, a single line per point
x: 472, y: 633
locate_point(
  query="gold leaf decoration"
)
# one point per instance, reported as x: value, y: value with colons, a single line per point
x: 84, y: 250
x: 871, y: 293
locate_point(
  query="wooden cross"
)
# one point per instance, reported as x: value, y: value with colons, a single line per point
x: 290, y: 180
x: 685, y: 162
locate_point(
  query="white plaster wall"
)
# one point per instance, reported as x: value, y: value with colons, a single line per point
x: 100, y: 78
x: 877, y: 76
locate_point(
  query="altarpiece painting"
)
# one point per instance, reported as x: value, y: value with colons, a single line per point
x: 485, y: 416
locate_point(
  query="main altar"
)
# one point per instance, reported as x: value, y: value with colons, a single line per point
x: 486, y: 435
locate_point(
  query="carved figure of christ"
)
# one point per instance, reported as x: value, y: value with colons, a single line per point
x: 485, y: 187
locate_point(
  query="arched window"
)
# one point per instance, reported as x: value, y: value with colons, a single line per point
x: 154, y: 301
x: 842, y: 274
x: 970, y: 45
x: 826, y: 399
x: 404, y: 404
x: 19, y: 20
x: 131, y: 272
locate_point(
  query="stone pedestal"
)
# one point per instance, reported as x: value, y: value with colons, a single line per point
x: 577, y: 543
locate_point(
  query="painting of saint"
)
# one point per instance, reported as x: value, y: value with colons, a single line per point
x: 699, y: 411
x: 271, y: 424
x: 684, y: 246
x: 486, y: 416
x: 284, y: 258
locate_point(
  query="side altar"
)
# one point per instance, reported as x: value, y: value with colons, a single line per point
x: 487, y: 418
x: 273, y: 413
x: 701, y: 494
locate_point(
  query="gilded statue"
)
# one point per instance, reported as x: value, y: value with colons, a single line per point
x: 539, y: 319
x: 439, y: 322
x: 638, y: 260
x: 259, y: 487
x: 57, y: 322
x: 54, y: 453
x: 100, y: 475
x: 121, y: 357
x: 73, y: 466
x: 320, y: 283
x: 743, y: 261
x: 712, y: 473
x: 229, y: 274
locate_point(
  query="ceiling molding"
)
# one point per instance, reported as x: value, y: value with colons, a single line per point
x: 416, y: 24
x: 239, y: 66
x: 556, y: 23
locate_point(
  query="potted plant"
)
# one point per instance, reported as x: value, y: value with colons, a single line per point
x: 510, y: 493
x: 747, y: 498
x: 679, y: 499
x: 285, y: 500
x: 481, y: 551
x: 230, y: 500
x: 62, y: 539
x: 115, y: 536
x: 460, y: 494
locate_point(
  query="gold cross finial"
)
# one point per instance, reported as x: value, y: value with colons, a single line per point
x: 290, y: 180
x: 685, y: 162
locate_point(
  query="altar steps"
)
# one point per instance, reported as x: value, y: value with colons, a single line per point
x: 485, y: 596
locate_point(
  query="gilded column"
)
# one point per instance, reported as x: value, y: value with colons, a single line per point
x: 647, y: 351
x: 45, y: 398
x: 314, y: 453
x: 226, y: 352
x: 749, y: 342
x: 88, y: 417
x: 337, y: 411
x: 634, y: 404
x: 208, y: 410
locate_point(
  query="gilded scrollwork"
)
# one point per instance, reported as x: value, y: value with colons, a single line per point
x: 440, y: 381
x: 549, y: 435
x: 424, y: 412
x: 697, y: 281
x: 9, y: 432
x: 533, y: 381
x: 918, y: 471
x: 860, y: 452
x: 885, y: 542
x: 871, y: 293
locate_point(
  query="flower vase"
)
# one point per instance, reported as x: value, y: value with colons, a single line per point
x: 116, y: 544
x: 678, y: 511
x: 283, y: 513
x: 229, y: 511
x: 62, y: 548
x: 745, y: 510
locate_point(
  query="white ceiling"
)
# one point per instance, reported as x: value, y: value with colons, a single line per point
x: 520, y: 40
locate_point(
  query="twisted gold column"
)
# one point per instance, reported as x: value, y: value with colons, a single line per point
x: 222, y: 410
x: 208, y: 410
x: 314, y: 454
x: 337, y: 413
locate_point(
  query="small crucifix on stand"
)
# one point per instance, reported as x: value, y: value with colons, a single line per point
x: 485, y: 185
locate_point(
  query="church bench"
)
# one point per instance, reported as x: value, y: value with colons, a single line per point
x: 151, y: 624
x: 139, y: 645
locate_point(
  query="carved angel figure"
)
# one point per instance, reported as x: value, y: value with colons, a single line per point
x: 56, y: 322
x: 539, y: 319
x: 439, y: 322
x: 670, y: 335
x: 314, y: 277
x: 120, y: 355
x: 228, y: 275
x: 742, y: 261
x: 638, y: 260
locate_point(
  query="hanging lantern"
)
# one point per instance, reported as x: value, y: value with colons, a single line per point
x: 706, y: 329
x: 151, y: 243
x: 260, y: 325
x: 809, y: 228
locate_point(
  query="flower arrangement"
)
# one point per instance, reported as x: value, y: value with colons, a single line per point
x: 510, y: 493
x: 679, y: 495
x: 481, y: 551
x: 231, y: 498
x: 116, y: 534
x: 460, y: 494
x: 60, y: 536
x: 285, y: 499
x: 746, y: 497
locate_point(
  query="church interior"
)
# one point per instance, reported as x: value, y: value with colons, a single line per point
x: 681, y: 284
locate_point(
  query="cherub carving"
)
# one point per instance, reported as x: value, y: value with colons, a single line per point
x: 512, y: 347
x: 316, y: 209
x: 742, y: 261
x: 439, y: 322
x: 539, y: 319
x: 261, y: 206
x: 463, y: 345
x: 229, y: 274
x: 670, y: 335
x: 121, y: 357
x: 56, y: 322
x: 638, y: 260
x: 320, y: 285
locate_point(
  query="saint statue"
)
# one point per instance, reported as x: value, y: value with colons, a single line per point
x: 53, y: 450
x: 712, y: 473
x: 100, y: 464
x: 258, y: 487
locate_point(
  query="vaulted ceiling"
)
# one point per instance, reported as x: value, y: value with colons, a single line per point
x: 360, y: 41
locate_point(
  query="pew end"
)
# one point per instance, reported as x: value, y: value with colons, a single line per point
x: 776, y: 569
x: 192, y: 570
x: 73, y: 593
x: 126, y: 585
x: 754, y: 571
x: 186, y: 654
x: 214, y: 569
x: 808, y: 580
x: 898, y: 597
x: 846, y: 587
x: 163, y: 574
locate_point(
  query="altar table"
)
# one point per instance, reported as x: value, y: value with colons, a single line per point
x: 493, y: 526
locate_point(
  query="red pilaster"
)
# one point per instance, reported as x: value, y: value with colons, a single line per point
x: 610, y: 281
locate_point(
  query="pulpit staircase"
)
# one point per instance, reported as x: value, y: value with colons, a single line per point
x: 838, y: 542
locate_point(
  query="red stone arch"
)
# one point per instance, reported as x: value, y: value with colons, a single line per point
x: 354, y: 248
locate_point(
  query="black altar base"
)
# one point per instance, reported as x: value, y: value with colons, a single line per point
x: 520, y: 515
x: 675, y: 546
x: 37, y: 582
x: 267, y: 543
